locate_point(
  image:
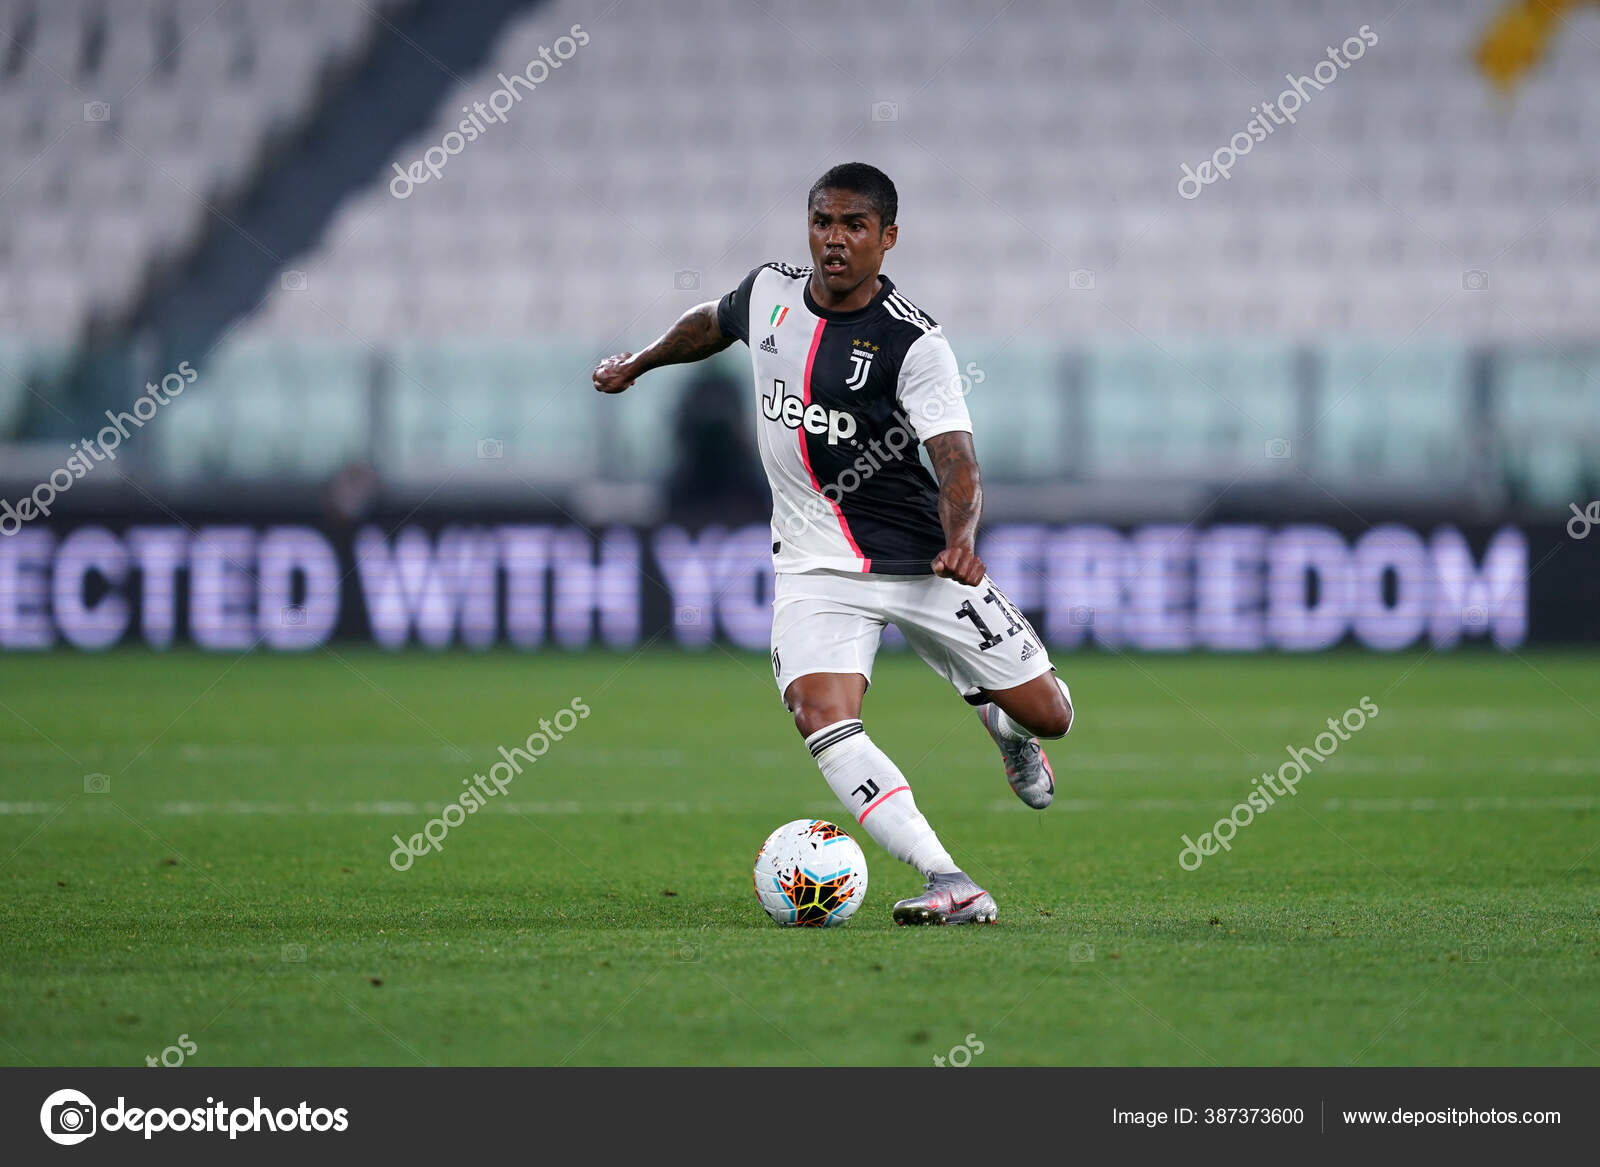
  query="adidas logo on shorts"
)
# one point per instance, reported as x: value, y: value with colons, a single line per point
x: 1029, y: 650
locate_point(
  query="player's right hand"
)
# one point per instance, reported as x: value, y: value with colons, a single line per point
x: 960, y: 564
x: 614, y: 374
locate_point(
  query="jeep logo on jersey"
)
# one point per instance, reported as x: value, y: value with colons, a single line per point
x: 814, y: 418
x: 860, y: 366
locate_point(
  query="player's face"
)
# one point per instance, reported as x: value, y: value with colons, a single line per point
x: 847, y: 240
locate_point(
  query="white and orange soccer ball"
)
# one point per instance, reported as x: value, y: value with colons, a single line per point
x: 810, y: 874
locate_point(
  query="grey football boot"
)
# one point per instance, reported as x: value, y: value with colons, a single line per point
x: 951, y: 898
x: 1027, y: 769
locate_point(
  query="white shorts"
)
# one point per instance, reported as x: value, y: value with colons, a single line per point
x: 830, y: 622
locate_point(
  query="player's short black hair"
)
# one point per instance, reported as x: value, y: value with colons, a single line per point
x: 863, y: 179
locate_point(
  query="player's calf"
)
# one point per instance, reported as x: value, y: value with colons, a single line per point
x: 827, y: 711
x: 1042, y: 708
x: 873, y: 789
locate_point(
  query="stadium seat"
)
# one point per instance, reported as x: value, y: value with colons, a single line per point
x: 157, y: 115
x: 1355, y: 230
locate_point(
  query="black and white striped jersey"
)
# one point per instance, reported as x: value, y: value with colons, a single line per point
x: 843, y: 402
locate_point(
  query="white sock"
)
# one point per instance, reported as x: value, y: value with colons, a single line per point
x: 873, y: 789
x: 1010, y: 729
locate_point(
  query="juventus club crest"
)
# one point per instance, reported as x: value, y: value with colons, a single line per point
x: 860, y: 366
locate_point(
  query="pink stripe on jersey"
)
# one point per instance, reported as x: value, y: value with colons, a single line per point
x: 805, y: 400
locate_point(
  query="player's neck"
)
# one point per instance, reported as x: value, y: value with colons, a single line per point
x: 856, y: 299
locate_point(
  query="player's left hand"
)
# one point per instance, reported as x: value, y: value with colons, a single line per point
x: 961, y: 564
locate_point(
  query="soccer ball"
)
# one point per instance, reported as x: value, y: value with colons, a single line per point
x: 810, y: 874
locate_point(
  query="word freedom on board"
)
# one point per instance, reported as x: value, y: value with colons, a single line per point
x: 1160, y: 587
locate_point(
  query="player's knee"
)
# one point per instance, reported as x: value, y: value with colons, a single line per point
x: 1056, y: 722
x: 810, y: 716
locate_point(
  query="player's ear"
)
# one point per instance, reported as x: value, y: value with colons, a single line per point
x: 890, y: 234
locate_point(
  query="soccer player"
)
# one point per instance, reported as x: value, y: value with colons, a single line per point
x: 851, y: 379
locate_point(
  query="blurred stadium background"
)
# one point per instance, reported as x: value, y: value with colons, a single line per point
x: 1349, y: 391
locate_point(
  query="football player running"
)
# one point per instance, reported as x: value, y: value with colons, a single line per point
x: 851, y: 379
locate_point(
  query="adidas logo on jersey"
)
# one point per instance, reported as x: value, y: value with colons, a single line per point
x: 770, y: 345
x: 1029, y: 650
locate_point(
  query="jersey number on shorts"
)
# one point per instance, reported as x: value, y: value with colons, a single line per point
x: 1015, y: 622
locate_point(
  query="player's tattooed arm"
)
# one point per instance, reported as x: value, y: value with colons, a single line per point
x: 955, y: 464
x: 694, y: 337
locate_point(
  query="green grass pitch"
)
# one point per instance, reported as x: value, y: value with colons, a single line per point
x: 1428, y: 897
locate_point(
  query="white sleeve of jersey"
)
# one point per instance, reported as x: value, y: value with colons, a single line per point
x: 930, y: 389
